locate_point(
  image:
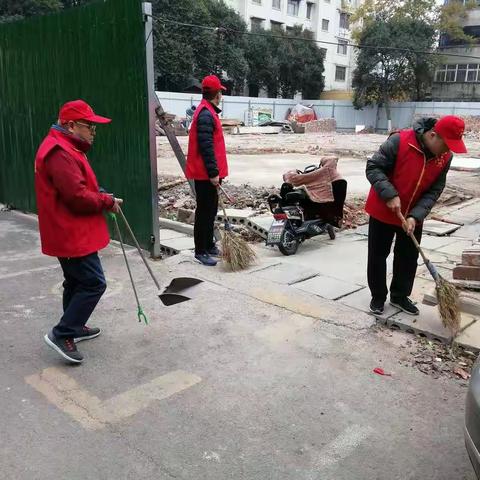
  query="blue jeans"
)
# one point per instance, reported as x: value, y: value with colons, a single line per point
x: 83, y: 287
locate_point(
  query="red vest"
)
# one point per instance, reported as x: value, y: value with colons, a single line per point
x: 195, y: 169
x: 63, y: 233
x: 411, y: 177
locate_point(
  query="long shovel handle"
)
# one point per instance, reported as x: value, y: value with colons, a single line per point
x: 139, y: 248
x: 428, y: 263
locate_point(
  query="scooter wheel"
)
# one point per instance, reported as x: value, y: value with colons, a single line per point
x: 331, y: 232
x: 289, y: 243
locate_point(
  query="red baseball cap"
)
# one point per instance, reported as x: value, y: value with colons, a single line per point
x: 451, y: 129
x: 212, y: 82
x: 80, y: 110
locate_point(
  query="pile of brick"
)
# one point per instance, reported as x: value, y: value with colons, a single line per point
x: 469, y: 270
x: 316, y: 126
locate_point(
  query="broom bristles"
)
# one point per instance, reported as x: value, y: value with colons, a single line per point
x: 448, y: 305
x: 236, y: 252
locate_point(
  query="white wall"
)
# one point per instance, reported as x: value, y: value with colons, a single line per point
x: 343, y: 111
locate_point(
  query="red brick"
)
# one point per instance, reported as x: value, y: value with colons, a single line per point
x: 466, y: 273
x: 471, y: 258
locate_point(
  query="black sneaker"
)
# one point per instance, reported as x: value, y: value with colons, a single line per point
x: 65, y: 347
x: 214, y: 252
x: 87, y: 334
x: 405, y: 304
x: 377, y: 307
x: 206, y: 259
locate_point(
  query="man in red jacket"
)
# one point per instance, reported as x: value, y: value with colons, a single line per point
x: 408, y: 175
x: 71, y: 221
x: 207, y: 165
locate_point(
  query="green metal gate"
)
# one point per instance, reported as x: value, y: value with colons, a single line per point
x: 98, y: 53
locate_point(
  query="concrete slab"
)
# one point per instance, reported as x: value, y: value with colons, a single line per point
x: 467, y: 214
x: 328, y: 287
x: 176, y: 245
x: 360, y: 300
x: 469, y: 232
x: 362, y: 230
x: 455, y: 248
x: 469, y: 301
x: 432, y: 242
x: 421, y: 287
x: 235, y: 215
x: 285, y: 274
x: 344, y: 258
x: 465, y: 164
x: 180, y: 227
x: 435, y: 227
x: 166, y: 234
x: 470, y: 338
x: 259, y: 225
x: 427, y: 324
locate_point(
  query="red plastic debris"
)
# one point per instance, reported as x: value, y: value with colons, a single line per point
x: 381, y: 371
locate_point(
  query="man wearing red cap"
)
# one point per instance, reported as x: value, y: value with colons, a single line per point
x: 407, y: 175
x: 71, y: 221
x: 207, y: 165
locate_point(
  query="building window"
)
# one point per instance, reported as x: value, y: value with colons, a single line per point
x: 342, y: 47
x: 310, y: 7
x: 340, y: 74
x: 256, y: 23
x: 472, y: 73
x: 325, y: 24
x: 458, y: 73
x: 344, y: 21
x: 324, y: 52
x: 293, y: 7
x: 277, y: 4
x: 276, y: 26
x: 289, y: 29
x: 257, y: 2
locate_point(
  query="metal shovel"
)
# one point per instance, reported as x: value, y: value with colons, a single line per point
x: 177, y: 290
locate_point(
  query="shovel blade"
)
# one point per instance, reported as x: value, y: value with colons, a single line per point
x: 180, y: 284
x: 175, y: 292
x: 169, y: 299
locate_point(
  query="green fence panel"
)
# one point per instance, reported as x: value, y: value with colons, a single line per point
x: 97, y: 53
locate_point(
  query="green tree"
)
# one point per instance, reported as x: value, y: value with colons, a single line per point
x: 183, y: 52
x: 285, y: 63
x: 262, y: 55
x: 399, y: 62
x: 11, y: 10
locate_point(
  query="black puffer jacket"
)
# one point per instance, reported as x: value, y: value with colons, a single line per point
x: 205, y: 129
x: 382, y: 163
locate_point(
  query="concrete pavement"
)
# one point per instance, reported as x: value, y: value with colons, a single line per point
x: 252, y: 379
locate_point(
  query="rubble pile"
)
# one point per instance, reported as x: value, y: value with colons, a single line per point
x: 177, y: 203
x: 354, y: 214
x: 321, y: 125
x: 438, y: 360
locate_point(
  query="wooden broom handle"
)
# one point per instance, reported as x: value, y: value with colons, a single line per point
x: 414, y: 240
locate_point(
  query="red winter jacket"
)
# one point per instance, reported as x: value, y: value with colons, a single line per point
x: 418, y: 181
x: 69, y: 203
x: 196, y: 168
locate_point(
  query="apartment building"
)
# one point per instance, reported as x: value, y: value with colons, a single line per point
x: 458, y: 77
x: 328, y: 19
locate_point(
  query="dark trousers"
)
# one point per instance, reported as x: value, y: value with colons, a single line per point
x: 83, y: 287
x: 205, y: 214
x: 380, y: 238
